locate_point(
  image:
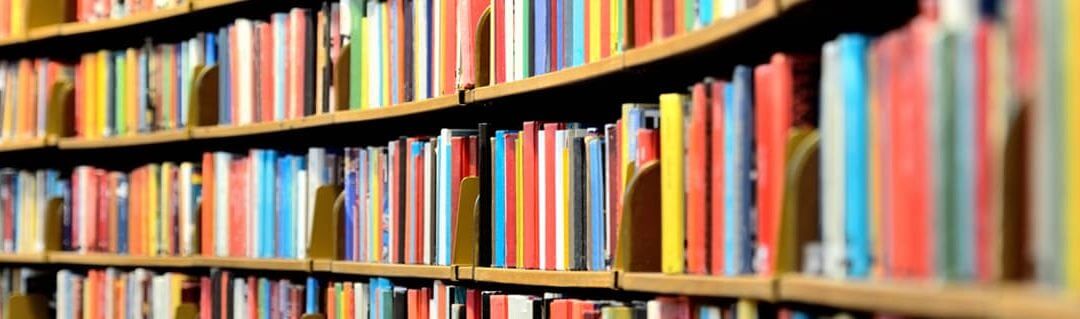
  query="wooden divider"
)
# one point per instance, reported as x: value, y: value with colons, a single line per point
x: 483, y: 58
x: 326, y: 223
x: 464, y: 246
x: 204, y: 97
x: 341, y: 79
x: 638, y: 247
x: 60, y: 116
x: 186, y: 311
x: 27, y: 307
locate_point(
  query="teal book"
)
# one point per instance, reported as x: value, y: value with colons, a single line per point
x: 853, y: 49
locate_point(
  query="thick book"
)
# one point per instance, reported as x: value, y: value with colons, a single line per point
x: 672, y: 182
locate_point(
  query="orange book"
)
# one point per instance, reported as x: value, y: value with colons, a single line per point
x: 266, y: 79
x: 412, y: 301
x: 716, y: 177
x: 207, y: 214
x: 648, y: 146
x: 697, y: 169
x: 425, y: 306
x: 560, y: 309
x: 349, y: 301
x: 399, y: 12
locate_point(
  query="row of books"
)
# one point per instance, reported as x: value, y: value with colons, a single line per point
x: 100, y: 10
x: 112, y: 293
x: 25, y: 88
x: 24, y: 197
x: 381, y: 298
x: 142, y: 293
x: 533, y: 37
x: 261, y: 204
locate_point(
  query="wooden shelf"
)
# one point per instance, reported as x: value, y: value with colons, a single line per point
x: 784, y: 4
x: 107, y: 260
x: 24, y: 144
x: 916, y: 299
x: 158, y: 137
x: 1031, y: 302
x: 407, y: 108
x: 321, y: 265
x: 207, y: 4
x: 275, y: 264
x: 23, y: 258
x: 393, y: 270
x: 311, y: 121
x: 209, y: 132
x: 76, y: 28
x: 43, y: 32
x: 563, y: 77
x: 758, y: 288
x: 546, y: 278
x: 463, y: 273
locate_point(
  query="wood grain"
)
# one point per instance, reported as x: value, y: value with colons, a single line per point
x: 220, y: 131
x: 393, y: 270
x: 545, y: 81
x: 208, y: 4
x: 758, y: 288
x: 158, y: 137
x: 546, y: 278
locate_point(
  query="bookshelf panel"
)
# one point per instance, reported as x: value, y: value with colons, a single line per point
x: 276, y: 264
x: 918, y: 299
x: 107, y: 260
x: 27, y: 258
x: 414, y: 107
x: 546, y: 278
x: 759, y: 288
x: 24, y: 144
x: 393, y: 270
x: 159, y: 137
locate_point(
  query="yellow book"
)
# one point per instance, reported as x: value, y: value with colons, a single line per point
x: 176, y: 290
x: 87, y: 65
x: 166, y: 206
x: 131, y: 94
x: 5, y: 99
x: 386, y: 65
x: 672, y: 200
x: 1071, y: 128
x: 519, y: 215
x: 624, y: 144
x: 594, y: 30
x: 102, y: 70
x: 565, y: 176
x: 614, y: 27
x: 745, y: 308
x: 152, y: 210
x: 375, y: 207
x: 24, y: 95
x: 18, y: 18
x: 717, y: 9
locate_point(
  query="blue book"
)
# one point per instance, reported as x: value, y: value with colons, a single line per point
x: 268, y: 197
x: 280, y: 21
x: 122, y: 214
x: 578, y: 38
x: 560, y: 33
x: 964, y: 242
x: 110, y: 93
x: 362, y: 216
x: 312, y: 290
x: 744, y: 139
x: 705, y: 11
x: 225, y: 94
x: 731, y: 225
x: 142, y: 119
x: 853, y: 71
x: 264, y: 295
x: 281, y: 166
x: 499, y: 194
x: 350, y: 201
x: 541, y: 43
x: 210, y: 45
x: 596, y: 202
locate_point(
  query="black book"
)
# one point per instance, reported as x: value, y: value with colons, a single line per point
x: 579, y: 215
x: 402, y: 154
x: 408, y: 56
x: 229, y: 294
x: 309, y: 62
x: 400, y: 304
x: 484, y: 217
x: 327, y: 72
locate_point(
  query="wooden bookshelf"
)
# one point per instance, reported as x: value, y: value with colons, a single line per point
x: 221, y: 131
x: 322, y: 265
x: 311, y: 121
x: 209, y: 4
x: 904, y: 298
x: 23, y: 258
x: 784, y: 4
x: 1032, y: 302
x: 407, y: 108
x: 758, y: 288
x: 43, y: 32
x: 24, y: 144
x: 393, y: 270
x: 546, y: 278
x: 11, y: 40
x: 463, y: 273
x: 273, y: 264
x: 609, y: 65
x: 699, y: 39
x: 114, y: 260
x: 159, y: 137
x: 77, y: 28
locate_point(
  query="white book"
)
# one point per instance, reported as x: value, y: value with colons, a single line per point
x: 222, y: 161
x: 62, y: 292
x: 420, y: 36
x: 437, y: 39
x: 429, y: 203
x: 253, y: 215
x: 443, y: 213
x: 541, y: 186
x: 239, y: 302
x: 519, y: 307
x: 832, y: 170
x: 560, y: 200
x: 409, y: 170
x: 302, y: 228
x: 609, y: 246
x: 652, y: 310
x: 515, y: 22
x: 187, y: 210
x: 110, y: 295
x: 245, y: 72
x: 316, y: 165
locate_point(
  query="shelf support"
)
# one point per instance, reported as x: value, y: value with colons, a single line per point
x: 186, y: 311
x: 30, y: 306
x: 464, y: 246
x: 204, y: 97
x: 60, y: 120
x: 326, y: 223
x: 341, y: 79
x: 638, y: 247
x: 482, y: 55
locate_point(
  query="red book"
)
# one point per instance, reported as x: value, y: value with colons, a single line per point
x: 457, y: 146
x: 716, y: 178
x: 470, y: 159
x: 207, y: 214
x: 648, y: 146
x: 529, y: 184
x: 605, y: 29
x: 697, y: 182
x: 412, y: 301
x: 668, y: 16
x: 396, y: 216
x: 253, y: 294
x: 399, y: 69
x: 578, y: 308
x: 204, y: 297
x: 449, y: 49
x: 265, y: 73
x: 225, y: 297
x: 919, y: 182
x: 614, y: 185
x: 498, y: 307
x: 237, y: 233
x: 553, y: 31
x: 102, y: 230
x: 511, y: 202
x: 771, y: 139
x: 549, y: 193
x: 560, y: 309
x: 499, y: 69
x: 472, y: 304
x: 984, y: 150
x: 331, y: 302
x: 418, y: 211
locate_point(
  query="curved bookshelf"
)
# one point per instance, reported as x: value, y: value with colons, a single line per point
x: 393, y: 270
x: 759, y: 288
x: 908, y: 298
x: 25, y: 144
x: 546, y: 278
x: 274, y: 264
x: 115, y: 260
x: 159, y: 137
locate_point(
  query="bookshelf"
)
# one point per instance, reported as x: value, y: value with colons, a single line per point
x: 910, y: 298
